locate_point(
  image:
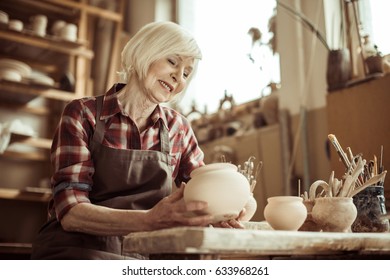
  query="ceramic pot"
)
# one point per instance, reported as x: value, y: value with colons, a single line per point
x: 285, y: 212
x: 371, y: 207
x: 39, y: 24
x: 339, y: 69
x: 69, y: 32
x: 374, y: 64
x: 250, y: 207
x: 334, y: 214
x: 220, y: 185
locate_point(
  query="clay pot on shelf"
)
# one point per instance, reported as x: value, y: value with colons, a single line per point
x: 334, y: 214
x: 285, y: 212
x: 220, y: 185
x: 374, y: 64
x: 339, y: 69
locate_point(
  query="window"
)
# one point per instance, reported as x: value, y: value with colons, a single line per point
x: 374, y: 15
x: 230, y: 63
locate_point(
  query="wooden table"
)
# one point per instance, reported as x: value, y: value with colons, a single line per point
x: 252, y: 243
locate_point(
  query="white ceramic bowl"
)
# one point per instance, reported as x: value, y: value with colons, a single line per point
x: 57, y: 27
x: 40, y: 78
x: 285, y: 212
x: 16, y: 25
x: 4, y: 18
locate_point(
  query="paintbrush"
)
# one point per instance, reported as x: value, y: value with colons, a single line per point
x: 339, y: 150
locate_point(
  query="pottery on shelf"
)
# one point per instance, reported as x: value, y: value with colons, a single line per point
x: 285, y: 212
x: 334, y: 214
x: 220, y: 185
x: 339, y: 70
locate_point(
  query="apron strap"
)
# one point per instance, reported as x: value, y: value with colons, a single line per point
x: 100, y: 125
x: 164, y: 138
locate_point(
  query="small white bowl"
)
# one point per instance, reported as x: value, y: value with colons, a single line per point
x: 4, y: 18
x: 16, y: 25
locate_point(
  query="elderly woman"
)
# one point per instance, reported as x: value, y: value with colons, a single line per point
x: 116, y: 156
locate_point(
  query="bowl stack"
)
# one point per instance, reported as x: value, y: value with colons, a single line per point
x: 13, y: 70
x: 4, y: 18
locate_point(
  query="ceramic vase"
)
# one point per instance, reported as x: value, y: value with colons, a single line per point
x: 339, y: 69
x: 250, y: 207
x: 374, y: 64
x: 220, y: 185
x: 334, y: 214
x: 371, y: 207
x: 285, y: 212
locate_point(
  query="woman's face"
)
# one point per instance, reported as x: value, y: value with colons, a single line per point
x: 167, y: 77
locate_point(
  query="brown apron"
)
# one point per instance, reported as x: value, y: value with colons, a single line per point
x: 123, y: 179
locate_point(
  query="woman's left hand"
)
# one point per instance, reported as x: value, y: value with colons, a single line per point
x: 233, y: 223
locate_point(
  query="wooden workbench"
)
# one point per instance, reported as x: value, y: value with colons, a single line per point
x: 220, y: 243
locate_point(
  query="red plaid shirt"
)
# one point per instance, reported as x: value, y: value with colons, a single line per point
x: 71, y: 157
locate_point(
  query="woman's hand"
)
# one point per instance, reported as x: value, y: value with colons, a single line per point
x: 172, y: 211
x: 233, y: 223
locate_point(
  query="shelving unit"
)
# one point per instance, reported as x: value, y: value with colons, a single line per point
x: 48, y: 43
x: 70, y: 65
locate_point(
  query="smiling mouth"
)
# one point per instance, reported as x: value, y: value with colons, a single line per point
x: 167, y: 86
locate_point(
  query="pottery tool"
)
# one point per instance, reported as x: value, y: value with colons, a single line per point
x: 367, y: 174
x: 351, y: 156
x: 299, y: 187
x: 248, y: 169
x: 331, y: 184
x: 305, y: 196
x: 375, y: 165
x: 371, y: 168
x: 339, y: 150
x: 337, y: 186
x: 381, y: 167
x: 370, y: 182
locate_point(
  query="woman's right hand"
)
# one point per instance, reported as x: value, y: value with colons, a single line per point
x: 173, y: 211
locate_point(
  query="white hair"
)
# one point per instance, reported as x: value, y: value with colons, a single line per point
x: 154, y: 41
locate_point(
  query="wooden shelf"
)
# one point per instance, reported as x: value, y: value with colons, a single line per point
x: 49, y: 43
x: 34, y: 156
x: 14, y: 92
x: 35, y: 142
x: 92, y: 10
x: 25, y: 108
x: 22, y: 195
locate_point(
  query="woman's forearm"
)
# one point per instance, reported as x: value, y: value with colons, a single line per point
x: 104, y: 221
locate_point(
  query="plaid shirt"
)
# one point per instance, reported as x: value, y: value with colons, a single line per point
x: 71, y: 157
